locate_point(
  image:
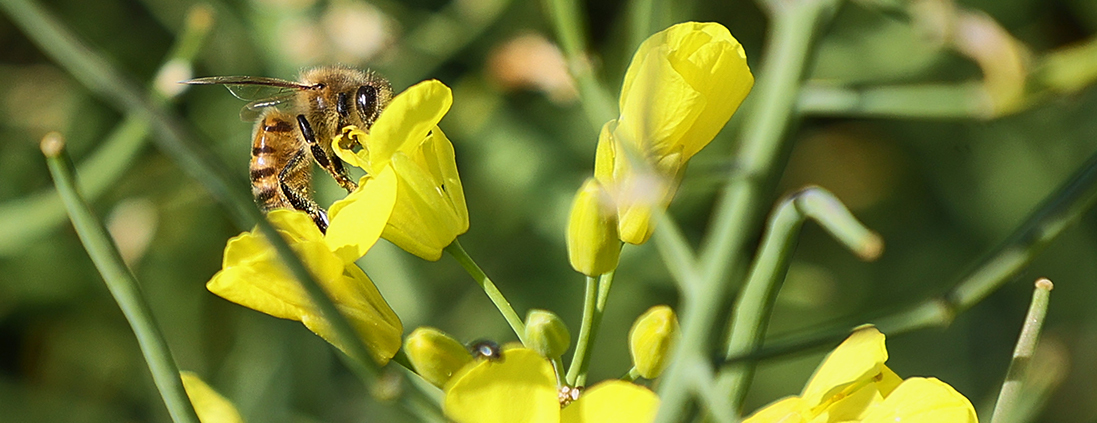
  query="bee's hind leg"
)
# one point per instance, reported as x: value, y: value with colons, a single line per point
x: 298, y: 195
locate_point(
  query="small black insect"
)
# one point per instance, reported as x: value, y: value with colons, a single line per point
x: 486, y: 349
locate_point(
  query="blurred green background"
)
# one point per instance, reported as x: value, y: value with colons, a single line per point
x: 942, y: 191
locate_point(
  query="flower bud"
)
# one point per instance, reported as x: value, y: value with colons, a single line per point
x: 435, y: 355
x: 546, y: 333
x: 593, y: 246
x: 652, y: 339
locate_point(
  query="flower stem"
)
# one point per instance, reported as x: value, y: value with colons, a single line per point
x: 583, y: 345
x: 458, y: 252
x: 1010, y: 394
x: 121, y: 282
x: 577, y: 372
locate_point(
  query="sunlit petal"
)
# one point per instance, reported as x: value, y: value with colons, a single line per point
x: 521, y: 388
x: 613, y: 401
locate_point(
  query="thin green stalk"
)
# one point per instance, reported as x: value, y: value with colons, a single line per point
x: 925, y: 101
x: 754, y: 305
x: 569, y: 26
x: 676, y: 253
x: 1010, y: 394
x: 28, y: 219
x: 739, y: 208
x: 458, y: 252
x: 579, y: 356
x: 558, y: 367
x: 1057, y: 212
x: 121, y: 282
x: 102, y: 78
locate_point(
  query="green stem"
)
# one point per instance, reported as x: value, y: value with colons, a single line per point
x: 568, y: 23
x: 121, y: 282
x: 676, y: 253
x: 1010, y: 394
x: 28, y: 219
x: 739, y: 208
x: 583, y: 345
x: 632, y: 375
x: 926, y: 101
x: 753, y: 307
x: 458, y: 252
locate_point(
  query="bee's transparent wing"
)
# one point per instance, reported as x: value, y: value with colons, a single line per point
x: 261, y: 92
x: 252, y: 111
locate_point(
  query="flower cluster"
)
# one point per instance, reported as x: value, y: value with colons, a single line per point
x: 411, y: 195
x: 682, y: 86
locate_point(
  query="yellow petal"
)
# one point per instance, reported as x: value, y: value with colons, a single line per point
x: 210, y: 406
x: 520, y: 388
x: 923, y: 400
x: 358, y: 220
x: 605, y: 156
x: 424, y: 220
x: 713, y: 62
x: 646, y: 123
x: 407, y: 120
x: 613, y: 401
x: 349, y: 136
x: 254, y: 276
x: 358, y: 300
x: 787, y: 410
x: 859, y: 357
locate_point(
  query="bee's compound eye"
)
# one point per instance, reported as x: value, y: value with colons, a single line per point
x: 486, y: 349
x: 366, y: 97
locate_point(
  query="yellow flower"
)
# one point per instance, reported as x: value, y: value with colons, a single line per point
x: 210, y: 406
x: 854, y: 385
x: 522, y: 387
x: 253, y: 276
x: 405, y: 154
x: 682, y: 86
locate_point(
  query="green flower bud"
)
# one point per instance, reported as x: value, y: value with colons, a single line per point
x: 546, y: 333
x: 652, y: 339
x: 593, y: 246
x: 435, y: 355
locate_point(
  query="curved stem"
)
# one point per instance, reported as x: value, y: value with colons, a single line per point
x: 753, y: 307
x: 121, y: 282
x: 458, y: 252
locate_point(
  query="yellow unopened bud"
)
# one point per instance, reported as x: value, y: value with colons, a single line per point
x: 593, y: 246
x: 652, y: 339
x: 435, y: 355
x: 546, y: 333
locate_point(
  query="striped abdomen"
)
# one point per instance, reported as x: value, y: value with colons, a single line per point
x: 281, y: 168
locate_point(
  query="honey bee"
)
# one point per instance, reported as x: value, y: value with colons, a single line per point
x: 297, y: 120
